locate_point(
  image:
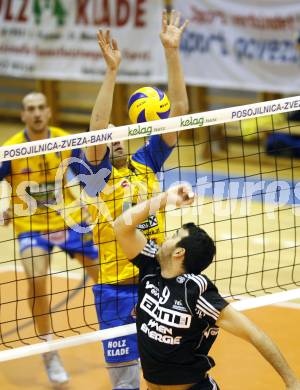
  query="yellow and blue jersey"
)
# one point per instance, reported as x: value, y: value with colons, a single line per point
x: 121, y: 189
x: 39, y: 202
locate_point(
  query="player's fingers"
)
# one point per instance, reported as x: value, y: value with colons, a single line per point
x: 191, y: 197
x: 184, y: 26
x: 164, y: 20
x: 100, y: 38
x: 101, y: 44
x: 177, y: 19
x: 114, y: 44
x: 189, y: 202
x: 188, y: 196
x: 172, y: 17
x: 100, y: 34
x: 107, y: 37
x: 184, y: 191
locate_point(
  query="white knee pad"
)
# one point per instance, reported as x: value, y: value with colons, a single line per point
x: 126, y: 377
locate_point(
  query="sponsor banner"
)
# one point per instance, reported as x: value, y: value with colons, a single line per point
x: 121, y: 133
x: 242, y: 44
x: 57, y: 39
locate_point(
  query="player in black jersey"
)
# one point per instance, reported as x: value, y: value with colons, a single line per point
x: 179, y: 310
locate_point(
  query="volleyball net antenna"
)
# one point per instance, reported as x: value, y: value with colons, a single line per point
x: 243, y: 166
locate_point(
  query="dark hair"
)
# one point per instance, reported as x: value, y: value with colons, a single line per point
x: 199, y: 248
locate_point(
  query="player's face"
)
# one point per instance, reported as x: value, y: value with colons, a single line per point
x: 168, y: 246
x: 36, y: 113
x: 118, y: 152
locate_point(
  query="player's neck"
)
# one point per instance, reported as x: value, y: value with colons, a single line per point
x: 171, y: 273
x: 170, y: 269
x: 37, y: 135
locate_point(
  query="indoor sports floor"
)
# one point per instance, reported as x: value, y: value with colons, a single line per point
x: 252, y: 256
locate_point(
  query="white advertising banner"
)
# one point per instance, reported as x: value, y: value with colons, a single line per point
x: 56, y: 39
x: 242, y: 44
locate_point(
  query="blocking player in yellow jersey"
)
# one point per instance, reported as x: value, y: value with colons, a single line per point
x: 39, y: 224
x: 129, y: 179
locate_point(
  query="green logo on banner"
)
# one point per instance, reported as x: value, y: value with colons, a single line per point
x: 58, y: 10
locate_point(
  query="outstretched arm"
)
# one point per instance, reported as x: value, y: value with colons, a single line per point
x: 239, y: 325
x: 170, y: 37
x: 102, y: 108
x: 132, y: 240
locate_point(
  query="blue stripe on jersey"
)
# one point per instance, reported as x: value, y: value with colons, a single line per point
x: 154, y: 153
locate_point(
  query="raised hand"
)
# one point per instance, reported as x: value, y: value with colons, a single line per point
x: 181, y: 195
x: 109, y: 48
x: 171, y: 32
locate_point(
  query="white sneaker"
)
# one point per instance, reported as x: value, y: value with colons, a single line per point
x: 54, y: 367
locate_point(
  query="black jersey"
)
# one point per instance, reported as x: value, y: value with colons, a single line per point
x: 175, y: 322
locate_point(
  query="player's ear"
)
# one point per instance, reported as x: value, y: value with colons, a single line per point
x: 22, y: 115
x: 178, y: 253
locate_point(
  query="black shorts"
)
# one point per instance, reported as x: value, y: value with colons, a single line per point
x: 205, y: 384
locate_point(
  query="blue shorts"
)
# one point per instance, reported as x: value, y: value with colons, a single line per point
x: 68, y: 240
x: 115, y: 306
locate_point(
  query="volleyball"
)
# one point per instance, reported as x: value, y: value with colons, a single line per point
x: 148, y: 104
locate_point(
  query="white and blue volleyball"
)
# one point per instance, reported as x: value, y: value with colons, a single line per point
x: 148, y: 104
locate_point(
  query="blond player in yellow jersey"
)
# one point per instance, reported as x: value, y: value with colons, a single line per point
x: 129, y: 179
x: 39, y: 224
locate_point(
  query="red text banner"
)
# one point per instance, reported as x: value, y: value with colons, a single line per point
x: 56, y: 39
